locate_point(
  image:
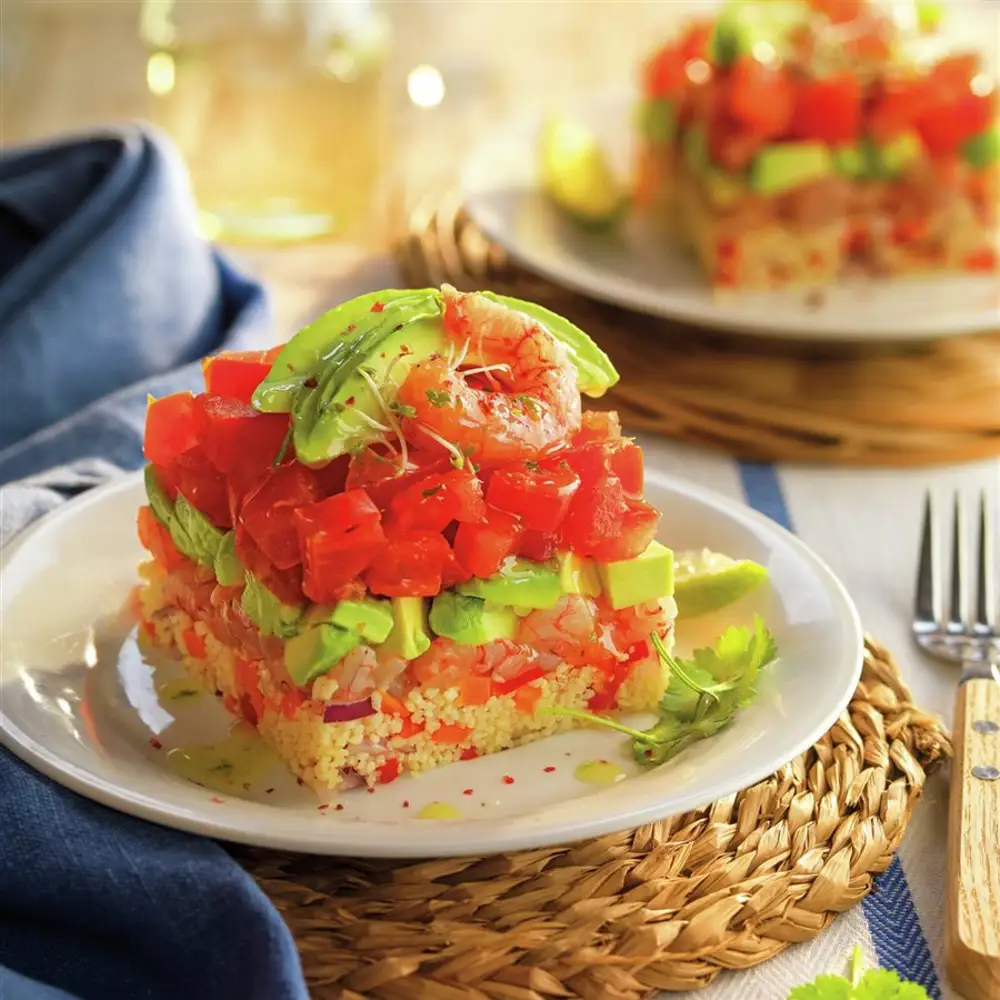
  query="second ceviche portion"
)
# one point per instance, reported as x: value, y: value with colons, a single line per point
x: 393, y: 541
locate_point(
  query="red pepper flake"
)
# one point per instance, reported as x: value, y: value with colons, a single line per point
x: 469, y: 753
x: 300, y: 781
x: 406, y: 803
x: 351, y: 327
x: 508, y: 780
x: 311, y: 383
x: 339, y: 806
x: 155, y: 743
x: 466, y: 791
x: 267, y: 791
x: 349, y: 401
x: 217, y: 800
x: 549, y: 769
x: 377, y: 307
x: 324, y: 806
x: 404, y: 349
x: 370, y: 790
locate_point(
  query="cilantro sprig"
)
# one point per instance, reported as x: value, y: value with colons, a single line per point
x: 875, y: 984
x: 702, y: 696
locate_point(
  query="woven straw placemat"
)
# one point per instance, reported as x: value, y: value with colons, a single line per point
x: 665, y: 907
x: 754, y: 398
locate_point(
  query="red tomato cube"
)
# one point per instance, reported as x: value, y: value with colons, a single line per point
x: 377, y: 471
x: 172, y: 428
x: 238, y: 437
x: 202, y: 485
x: 594, y: 517
x: 235, y: 374
x: 269, y: 512
x: 761, y: 97
x: 626, y: 464
x: 539, y: 494
x: 412, y: 565
x: 482, y: 548
x: 286, y: 584
x: 536, y: 545
x: 433, y: 502
x: 156, y: 539
x: 597, y: 426
x: 828, y: 109
x: 639, y: 522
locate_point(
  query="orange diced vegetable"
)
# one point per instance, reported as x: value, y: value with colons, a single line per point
x: 451, y: 734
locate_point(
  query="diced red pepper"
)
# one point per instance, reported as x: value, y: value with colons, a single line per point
x: 389, y: 771
x: 203, y: 486
x: 513, y: 683
x: 761, y: 97
x: 639, y: 522
x: 451, y: 734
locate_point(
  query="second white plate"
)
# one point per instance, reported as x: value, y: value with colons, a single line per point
x: 638, y: 270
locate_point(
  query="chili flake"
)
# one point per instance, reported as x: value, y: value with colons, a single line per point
x: 549, y: 769
x: 508, y: 780
x: 155, y: 743
x: 339, y: 806
x: 467, y: 791
x: 377, y: 307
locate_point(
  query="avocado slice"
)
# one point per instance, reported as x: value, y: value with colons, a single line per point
x: 784, y: 166
x: 408, y: 638
x: 317, y: 647
x: 983, y: 150
x: 578, y: 575
x: 890, y: 160
x: 577, y: 177
x: 851, y: 161
x: 161, y: 505
x: 470, y: 620
x: 369, y: 617
x: 203, y: 537
x: 229, y: 571
x: 594, y: 370
x: 267, y: 612
x: 647, y: 577
x: 657, y: 120
x: 309, y: 347
x: 521, y: 583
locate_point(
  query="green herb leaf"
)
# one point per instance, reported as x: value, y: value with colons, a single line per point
x: 403, y: 409
x: 438, y: 397
x: 529, y: 403
x: 877, y: 984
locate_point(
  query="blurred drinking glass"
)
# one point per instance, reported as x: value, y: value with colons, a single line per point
x: 278, y: 107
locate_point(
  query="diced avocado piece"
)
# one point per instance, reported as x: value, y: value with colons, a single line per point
x: 520, y: 583
x: 744, y: 25
x: 470, y: 620
x: 694, y: 149
x: 788, y: 165
x: 267, y: 612
x: 369, y: 617
x: 658, y: 121
x: 203, y: 537
x: 647, y: 577
x: 891, y: 159
x: 229, y: 571
x: 595, y: 373
x: 851, y: 161
x: 305, y: 351
x: 723, y: 189
x: 317, y: 647
x: 327, y: 419
x: 983, y: 150
x: 159, y: 502
x: 578, y: 575
x: 408, y: 638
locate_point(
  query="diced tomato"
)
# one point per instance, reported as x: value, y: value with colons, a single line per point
x: 411, y: 565
x: 203, y: 486
x: 595, y: 516
x: 694, y: 42
x: 590, y: 463
x: 896, y: 107
x: 391, y: 705
x: 269, y: 512
x: 703, y: 99
x: 518, y: 680
x: 982, y: 261
x: 828, y: 109
x: 434, y: 501
x: 378, y: 473
x: 539, y: 493
x: 237, y: 437
x: 839, y: 11
x: 156, y: 539
x: 340, y: 538
x: 761, y: 97
x: 194, y: 643
x: 451, y: 734
x: 626, y: 464
x: 536, y: 545
x: 332, y: 477
x: 389, y: 771
x: 732, y: 145
x: 638, y: 528
x: 945, y: 127
x: 172, y: 428
x: 469, y: 753
x: 453, y: 572
x: 474, y: 690
x: 526, y: 698
x: 481, y: 548
x: 597, y: 426
x: 285, y: 584
x: 290, y: 702
x: 235, y: 374
x: 664, y: 73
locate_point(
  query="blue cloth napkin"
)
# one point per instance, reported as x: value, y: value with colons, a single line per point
x: 107, y: 294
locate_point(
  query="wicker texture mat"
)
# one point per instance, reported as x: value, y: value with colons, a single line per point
x: 664, y: 907
x: 754, y: 398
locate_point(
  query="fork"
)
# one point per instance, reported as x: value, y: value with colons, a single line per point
x: 973, y: 642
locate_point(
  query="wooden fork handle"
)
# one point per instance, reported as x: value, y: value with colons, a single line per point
x: 973, y: 927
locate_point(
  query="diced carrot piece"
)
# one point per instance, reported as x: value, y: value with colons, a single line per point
x: 389, y: 771
x: 290, y: 702
x: 474, y: 691
x: 526, y: 697
x: 410, y: 728
x: 981, y: 260
x: 391, y: 705
x: 194, y: 644
x: 451, y: 734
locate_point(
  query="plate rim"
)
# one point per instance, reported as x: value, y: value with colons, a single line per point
x: 524, y: 836
x: 647, y: 301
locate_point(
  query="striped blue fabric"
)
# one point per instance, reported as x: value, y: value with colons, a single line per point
x: 900, y: 942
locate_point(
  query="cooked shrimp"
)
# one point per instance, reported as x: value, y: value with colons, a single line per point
x: 509, y: 394
x: 569, y: 630
x: 355, y: 675
x: 446, y: 663
x: 628, y: 626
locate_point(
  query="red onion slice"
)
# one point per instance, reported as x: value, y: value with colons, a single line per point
x: 348, y: 711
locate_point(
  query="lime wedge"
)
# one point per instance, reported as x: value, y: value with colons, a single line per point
x: 706, y: 581
x: 576, y: 174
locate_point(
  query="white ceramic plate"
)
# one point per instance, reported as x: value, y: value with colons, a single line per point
x: 638, y: 270
x: 79, y: 702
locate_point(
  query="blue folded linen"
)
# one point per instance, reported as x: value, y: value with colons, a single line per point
x: 107, y: 294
